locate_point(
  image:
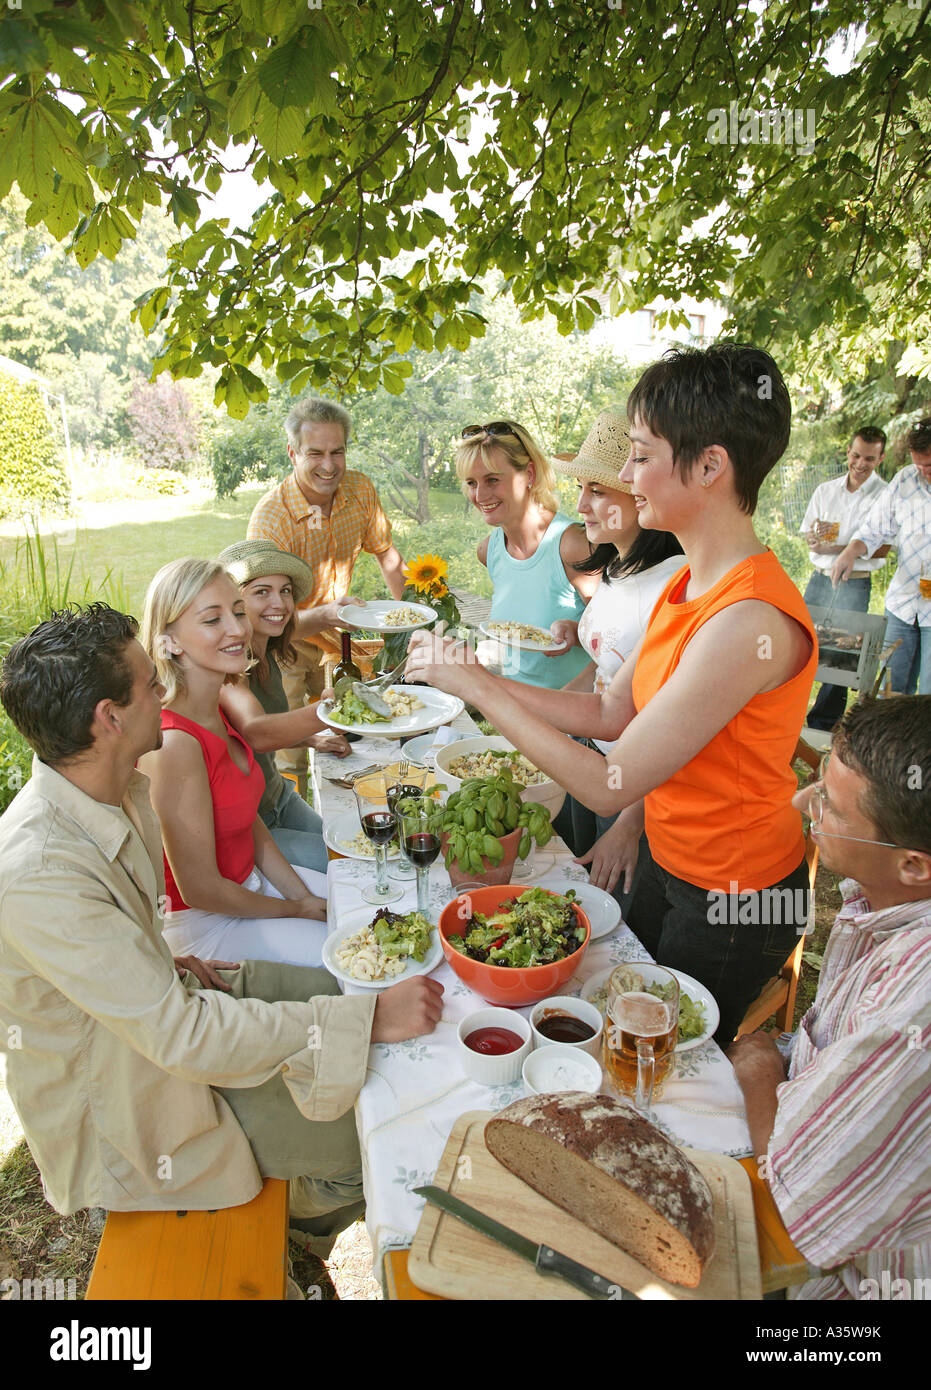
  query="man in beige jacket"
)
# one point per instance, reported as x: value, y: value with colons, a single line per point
x: 137, y: 1086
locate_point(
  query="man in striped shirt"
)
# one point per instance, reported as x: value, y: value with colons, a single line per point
x: 843, y: 1141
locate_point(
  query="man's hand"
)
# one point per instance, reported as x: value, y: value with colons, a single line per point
x: 206, y: 970
x: 756, y: 1059
x: 407, y: 1010
x: 330, y: 741
x: 564, y: 630
x: 820, y: 547
x: 614, y: 853
x: 443, y: 662
x: 327, y: 611
x: 846, y: 562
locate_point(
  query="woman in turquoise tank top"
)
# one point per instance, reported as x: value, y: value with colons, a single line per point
x: 533, y: 549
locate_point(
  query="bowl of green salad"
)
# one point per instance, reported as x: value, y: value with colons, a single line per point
x: 514, y: 945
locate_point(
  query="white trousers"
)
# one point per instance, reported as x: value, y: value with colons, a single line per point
x: 213, y: 936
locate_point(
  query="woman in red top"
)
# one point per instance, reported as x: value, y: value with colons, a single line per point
x: 707, y: 709
x: 231, y: 893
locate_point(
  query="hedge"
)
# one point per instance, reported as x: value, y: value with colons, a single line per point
x: 31, y: 475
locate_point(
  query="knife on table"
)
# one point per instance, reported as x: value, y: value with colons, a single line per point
x: 543, y: 1257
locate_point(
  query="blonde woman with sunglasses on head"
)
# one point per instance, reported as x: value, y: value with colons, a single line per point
x: 231, y: 892
x: 533, y: 548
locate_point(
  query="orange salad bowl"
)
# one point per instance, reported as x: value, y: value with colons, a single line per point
x: 509, y: 986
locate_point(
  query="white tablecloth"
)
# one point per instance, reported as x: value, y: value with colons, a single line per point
x: 415, y: 1091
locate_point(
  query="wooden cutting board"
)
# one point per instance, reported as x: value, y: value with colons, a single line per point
x: 450, y: 1258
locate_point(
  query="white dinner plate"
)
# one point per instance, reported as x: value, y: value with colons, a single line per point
x: 603, y: 911
x: 371, y: 617
x: 418, y: 748
x: 525, y: 644
x: 340, y: 830
x: 354, y: 922
x: 439, y: 708
x: 696, y: 992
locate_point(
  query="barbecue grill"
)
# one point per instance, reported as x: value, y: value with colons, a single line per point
x: 849, y: 646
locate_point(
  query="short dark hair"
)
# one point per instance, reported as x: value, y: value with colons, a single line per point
x: 919, y: 436
x: 53, y: 678
x: 871, y: 434
x: 888, y: 742
x: 728, y: 394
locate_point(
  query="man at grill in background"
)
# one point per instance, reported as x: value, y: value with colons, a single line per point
x: 843, y: 1141
x: 901, y: 516
x: 846, y: 501
x: 326, y: 514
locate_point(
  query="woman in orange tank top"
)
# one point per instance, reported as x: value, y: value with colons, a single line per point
x: 707, y: 711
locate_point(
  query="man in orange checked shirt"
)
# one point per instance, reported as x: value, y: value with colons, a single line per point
x: 326, y: 514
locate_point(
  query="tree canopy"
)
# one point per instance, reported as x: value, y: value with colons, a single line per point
x: 598, y: 155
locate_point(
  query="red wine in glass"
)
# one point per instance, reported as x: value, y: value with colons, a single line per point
x: 379, y: 827
x: 401, y: 789
x: 422, y: 848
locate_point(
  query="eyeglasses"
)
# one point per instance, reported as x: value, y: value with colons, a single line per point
x: 816, y: 811
x: 496, y: 427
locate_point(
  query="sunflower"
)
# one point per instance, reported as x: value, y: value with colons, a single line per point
x: 424, y: 572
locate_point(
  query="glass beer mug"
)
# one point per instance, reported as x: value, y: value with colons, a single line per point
x: 641, y: 1031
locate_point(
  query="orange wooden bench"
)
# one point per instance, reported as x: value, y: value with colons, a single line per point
x: 781, y: 1265
x: 234, y: 1253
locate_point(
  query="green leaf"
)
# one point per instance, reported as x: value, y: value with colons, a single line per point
x: 280, y: 131
x: 21, y: 48
x: 288, y: 74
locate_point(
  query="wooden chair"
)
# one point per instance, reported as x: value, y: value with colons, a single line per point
x: 234, y: 1253
x: 777, y: 997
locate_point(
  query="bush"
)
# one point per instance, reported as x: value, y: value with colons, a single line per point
x: 162, y: 480
x: 252, y: 450
x: 162, y: 424
x: 31, y: 476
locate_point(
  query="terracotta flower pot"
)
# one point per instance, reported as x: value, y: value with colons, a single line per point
x: 491, y: 873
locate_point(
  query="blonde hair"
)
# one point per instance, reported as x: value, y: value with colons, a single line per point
x: 521, y: 450
x: 173, y: 589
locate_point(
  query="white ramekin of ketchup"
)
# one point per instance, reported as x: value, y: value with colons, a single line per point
x: 493, y: 1044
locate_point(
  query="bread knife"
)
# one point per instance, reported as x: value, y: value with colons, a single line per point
x: 543, y: 1257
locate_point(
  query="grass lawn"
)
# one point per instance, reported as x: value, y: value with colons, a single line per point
x: 129, y: 538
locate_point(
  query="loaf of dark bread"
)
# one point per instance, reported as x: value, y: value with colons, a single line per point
x: 610, y: 1168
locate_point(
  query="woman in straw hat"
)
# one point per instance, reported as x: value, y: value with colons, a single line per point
x: 533, y: 548
x: 706, y: 711
x: 634, y: 567
x: 273, y: 582
x: 231, y: 892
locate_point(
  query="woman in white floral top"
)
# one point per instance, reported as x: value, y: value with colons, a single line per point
x: 635, y: 567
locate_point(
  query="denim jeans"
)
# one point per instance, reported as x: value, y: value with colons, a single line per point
x: 675, y: 922
x: 854, y: 597
x: 297, y: 830
x: 910, y: 666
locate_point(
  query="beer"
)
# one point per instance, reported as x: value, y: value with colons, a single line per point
x: 638, y: 1017
x: 924, y: 586
x: 828, y: 531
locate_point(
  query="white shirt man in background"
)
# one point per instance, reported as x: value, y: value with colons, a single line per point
x: 901, y: 516
x: 846, y: 501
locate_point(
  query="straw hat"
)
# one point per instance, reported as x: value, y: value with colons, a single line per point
x: 248, y: 560
x: 602, y: 455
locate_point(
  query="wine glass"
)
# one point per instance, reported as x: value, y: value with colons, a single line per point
x: 379, y: 826
x: 421, y: 839
x: 410, y: 780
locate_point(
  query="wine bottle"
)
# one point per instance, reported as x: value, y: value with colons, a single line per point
x: 346, y: 666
